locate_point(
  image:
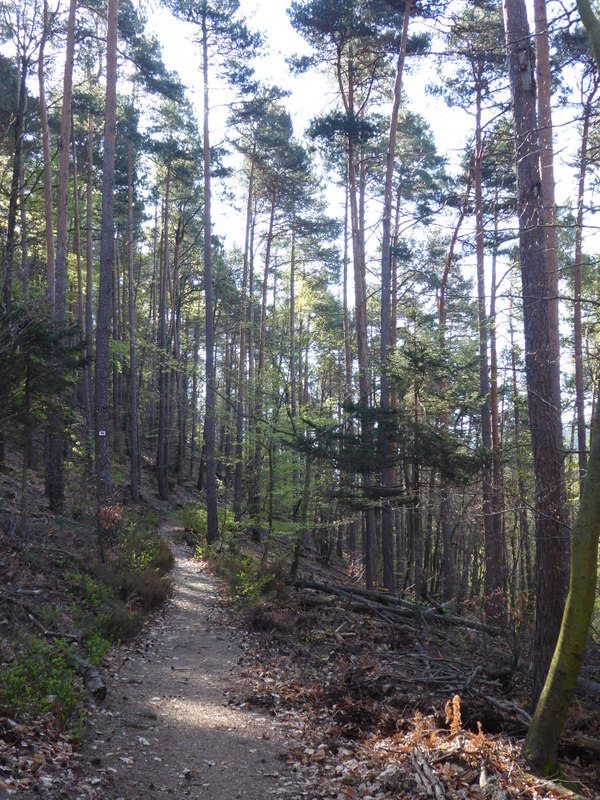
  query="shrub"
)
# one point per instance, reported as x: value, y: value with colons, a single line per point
x: 193, y: 519
x: 40, y: 680
x: 97, y: 647
x: 248, y: 580
x: 88, y: 592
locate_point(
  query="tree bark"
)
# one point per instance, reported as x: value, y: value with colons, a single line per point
x: 162, y: 449
x: 544, y: 408
x: 49, y: 217
x: 577, y: 328
x: 54, y: 465
x: 133, y: 426
x: 387, y: 439
x: 102, y: 436
x: 212, y: 529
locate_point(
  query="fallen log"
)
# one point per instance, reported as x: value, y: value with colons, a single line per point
x: 92, y: 680
x: 587, y: 743
x: 400, y: 608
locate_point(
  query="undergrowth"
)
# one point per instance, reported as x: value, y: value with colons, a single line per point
x: 40, y: 680
x: 248, y: 580
x: 105, y: 606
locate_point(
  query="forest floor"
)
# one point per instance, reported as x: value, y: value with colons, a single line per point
x: 171, y: 724
x: 305, y: 695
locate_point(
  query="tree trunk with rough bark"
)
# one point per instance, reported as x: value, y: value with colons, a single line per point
x: 133, y: 425
x: 54, y: 464
x: 544, y: 408
x: 102, y: 435
x: 387, y: 441
x: 212, y: 524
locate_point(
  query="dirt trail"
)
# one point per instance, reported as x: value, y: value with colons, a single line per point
x: 169, y: 726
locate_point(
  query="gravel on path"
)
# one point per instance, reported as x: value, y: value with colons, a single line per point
x: 171, y: 725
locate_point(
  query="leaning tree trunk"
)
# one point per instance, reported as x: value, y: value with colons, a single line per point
x: 541, y: 744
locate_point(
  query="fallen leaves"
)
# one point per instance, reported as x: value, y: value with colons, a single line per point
x: 32, y: 755
x: 384, y: 714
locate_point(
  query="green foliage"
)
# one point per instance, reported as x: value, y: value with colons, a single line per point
x: 107, y: 601
x: 40, y: 680
x: 247, y: 580
x: 37, y: 363
x: 136, y: 571
x: 97, y: 648
x: 88, y: 593
x: 193, y: 520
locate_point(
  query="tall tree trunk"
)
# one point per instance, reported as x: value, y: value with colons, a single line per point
x: 162, y: 449
x: 212, y: 524
x: 49, y: 227
x: 360, y: 302
x: 133, y: 426
x: 493, y: 592
x: 116, y: 336
x: 527, y: 584
x: 544, y: 406
x: 448, y: 557
x: 54, y: 465
x: 23, y: 226
x: 193, y: 425
x: 89, y: 324
x: 13, y: 200
x: 254, y: 498
x: 543, y: 74
x: 292, y: 318
x: 577, y: 328
x: 497, y: 473
x: 387, y: 437
x: 77, y: 250
x: 238, y: 478
x: 107, y: 254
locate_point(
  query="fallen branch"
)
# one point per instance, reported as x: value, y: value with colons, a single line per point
x: 587, y: 742
x: 400, y: 608
x: 427, y: 774
x: 509, y: 708
x: 68, y: 637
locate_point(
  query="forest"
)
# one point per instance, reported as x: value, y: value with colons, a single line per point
x: 331, y: 340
